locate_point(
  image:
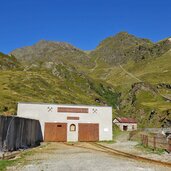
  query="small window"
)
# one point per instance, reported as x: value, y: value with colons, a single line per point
x: 59, y: 125
x: 72, y: 127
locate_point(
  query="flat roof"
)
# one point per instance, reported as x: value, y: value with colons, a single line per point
x: 41, y: 103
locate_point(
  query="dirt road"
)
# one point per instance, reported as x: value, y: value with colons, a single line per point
x: 60, y: 157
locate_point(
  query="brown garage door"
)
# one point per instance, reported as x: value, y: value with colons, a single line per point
x: 88, y: 132
x: 55, y: 132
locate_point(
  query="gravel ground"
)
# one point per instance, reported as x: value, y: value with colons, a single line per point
x: 130, y: 147
x: 58, y: 156
x: 123, y: 144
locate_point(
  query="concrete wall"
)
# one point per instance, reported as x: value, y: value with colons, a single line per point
x: 103, y: 116
x: 129, y: 125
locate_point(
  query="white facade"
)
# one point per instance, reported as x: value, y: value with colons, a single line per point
x: 127, y: 126
x: 49, y: 113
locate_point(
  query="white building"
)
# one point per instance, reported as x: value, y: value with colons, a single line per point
x: 70, y: 122
x: 126, y: 124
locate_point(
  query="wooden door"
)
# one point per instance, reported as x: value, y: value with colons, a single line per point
x: 88, y: 132
x: 55, y: 132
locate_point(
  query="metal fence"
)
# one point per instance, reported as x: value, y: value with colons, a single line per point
x: 19, y: 133
x: 156, y: 141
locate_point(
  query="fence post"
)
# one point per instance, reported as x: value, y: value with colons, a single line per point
x: 3, y: 156
x: 169, y: 145
x: 143, y: 140
x: 147, y: 140
x: 154, y: 142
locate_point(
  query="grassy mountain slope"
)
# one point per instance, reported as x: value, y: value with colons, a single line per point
x: 63, y: 85
x: 154, y: 77
x: 131, y: 74
x: 154, y: 71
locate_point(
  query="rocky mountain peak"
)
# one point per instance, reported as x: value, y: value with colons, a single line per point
x: 46, y: 44
x: 51, y: 51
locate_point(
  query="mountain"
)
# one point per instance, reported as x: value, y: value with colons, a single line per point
x: 7, y: 62
x: 122, y: 47
x: 61, y: 84
x: 144, y: 83
x: 129, y: 73
x: 44, y: 52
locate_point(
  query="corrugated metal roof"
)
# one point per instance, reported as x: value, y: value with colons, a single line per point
x: 126, y: 120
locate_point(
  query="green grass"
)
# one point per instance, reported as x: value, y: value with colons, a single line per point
x: 108, y: 142
x: 20, y: 159
x: 150, y: 150
x: 147, y: 99
x: 116, y: 132
x: 6, y: 163
x: 152, y: 71
x: 66, y: 86
x: 12, y: 162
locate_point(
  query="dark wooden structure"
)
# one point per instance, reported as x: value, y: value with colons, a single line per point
x: 88, y: 132
x: 55, y: 132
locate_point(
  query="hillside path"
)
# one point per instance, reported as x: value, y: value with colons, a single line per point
x: 134, y: 77
x: 130, y: 74
x: 96, y: 65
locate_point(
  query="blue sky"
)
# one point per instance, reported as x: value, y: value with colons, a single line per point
x: 83, y: 23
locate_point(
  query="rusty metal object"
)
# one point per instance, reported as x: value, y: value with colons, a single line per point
x: 72, y: 110
x: 55, y: 132
x: 155, y: 141
x: 88, y: 132
x: 73, y: 118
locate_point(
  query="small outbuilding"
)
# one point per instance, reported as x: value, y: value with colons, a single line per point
x: 70, y: 122
x: 125, y: 124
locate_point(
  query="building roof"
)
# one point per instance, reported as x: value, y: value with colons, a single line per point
x: 68, y: 105
x: 126, y: 120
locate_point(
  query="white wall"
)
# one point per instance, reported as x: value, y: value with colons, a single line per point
x: 129, y: 125
x: 40, y: 112
x: 72, y: 135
